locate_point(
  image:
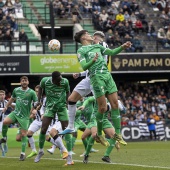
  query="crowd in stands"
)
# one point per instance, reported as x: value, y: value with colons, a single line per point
x: 143, y: 100
x: 8, y: 24
x: 121, y: 20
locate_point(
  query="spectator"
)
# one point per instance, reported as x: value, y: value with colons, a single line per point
x: 5, y: 10
x: 137, y: 44
x: 62, y: 11
x: 109, y: 37
x: 7, y: 39
x: 75, y: 14
x: 139, y: 26
x: 126, y: 16
x: 109, y: 24
x: 1, y: 37
x: 162, y: 39
x: 4, y: 21
x: 121, y: 29
x: 133, y: 19
x: 162, y: 106
x: 68, y: 6
x: 128, y: 38
x: 120, y: 17
x: 117, y: 39
x: 155, y: 116
x: 13, y: 24
x: 134, y: 6
x: 126, y: 9
x: 168, y: 35
x: 10, y: 6
x: 151, y: 127
x: 152, y: 3
x: 1, y: 14
x: 112, y: 11
x: 95, y: 17
x: 23, y: 36
x: 131, y: 121
x: 18, y: 6
x: 161, y: 4
x: 96, y: 5
x: 150, y: 30
x: 56, y: 6
x: 142, y: 17
x: 104, y: 15
x: 129, y: 30
x: 1, y: 4
x: 125, y: 2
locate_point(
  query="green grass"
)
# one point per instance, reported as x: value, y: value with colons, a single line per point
x: 135, y: 156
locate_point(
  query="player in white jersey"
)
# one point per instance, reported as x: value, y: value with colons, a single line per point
x: 3, y: 128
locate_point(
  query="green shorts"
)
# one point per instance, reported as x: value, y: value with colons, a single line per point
x: 92, y: 123
x: 61, y: 112
x: 107, y: 124
x: 79, y: 125
x: 23, y: 123
x: 103, y: 84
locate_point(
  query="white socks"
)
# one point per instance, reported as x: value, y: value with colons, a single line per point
x: 60, y: 144
x: 32, y: 143
x: 71, y: 115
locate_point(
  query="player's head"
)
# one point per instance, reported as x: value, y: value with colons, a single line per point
x: 56, y: 77
x: 36, y: 89
x: 83, y: 36
x: 24, y: 82
x: 2, y: 95
x: 98, y: 36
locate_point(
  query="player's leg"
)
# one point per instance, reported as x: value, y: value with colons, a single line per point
x: 45, y: 124
x: 34, y: 127
x: 58, y: 141
x: 18, y: 135
x: 24, y: 143
x: 85, y: 139
x: 116, y: 118
x: 91, y: 140
x: 81, y: 89
x: 109, y: 131
x: 8, y: 120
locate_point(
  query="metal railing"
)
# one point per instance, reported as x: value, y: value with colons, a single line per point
x: 41, y: 47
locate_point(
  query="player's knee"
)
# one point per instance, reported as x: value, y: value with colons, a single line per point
x: 53, y: 132
x: 115, y: 105
x: 102, y: 109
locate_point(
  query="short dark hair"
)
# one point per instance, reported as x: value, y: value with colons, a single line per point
x: 24, y: 77
x: 56, y: 74
x: 78, y: 35
x: 37, y: 86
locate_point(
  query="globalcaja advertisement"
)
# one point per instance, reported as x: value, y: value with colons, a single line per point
x: 49, y: 63
x: 65, y: 63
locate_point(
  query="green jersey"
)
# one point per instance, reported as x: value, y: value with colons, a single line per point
x: 78, y: 112
x: 88, y: 111
x: 55, y: 95
x: 86, y: 54
x: 24, y: 99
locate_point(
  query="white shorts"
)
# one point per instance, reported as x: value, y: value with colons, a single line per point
x: 84, y: 87
x: 57, y: 126
x: 35, y: 126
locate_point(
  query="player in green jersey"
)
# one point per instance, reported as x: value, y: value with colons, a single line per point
x: 57, y: 90
x: 91, y: 58
x: 24, y: 96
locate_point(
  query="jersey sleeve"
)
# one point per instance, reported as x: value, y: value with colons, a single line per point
x: 42, y: 83
x: 34, y: 96
x: 14, y: 94
x: 113, y: 52
x: 67, y: 86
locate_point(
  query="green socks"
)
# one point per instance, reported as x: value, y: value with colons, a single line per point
x: 110, y: 148
x: 115, y: 115
x: 24, y: 142
x: 41, y: 140
x: 89, y: 146
x: 68, y: 140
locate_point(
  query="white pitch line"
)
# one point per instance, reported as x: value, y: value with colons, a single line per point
x: 137, y: 165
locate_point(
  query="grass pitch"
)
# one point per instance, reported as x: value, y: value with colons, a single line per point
x: 134, y: 156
